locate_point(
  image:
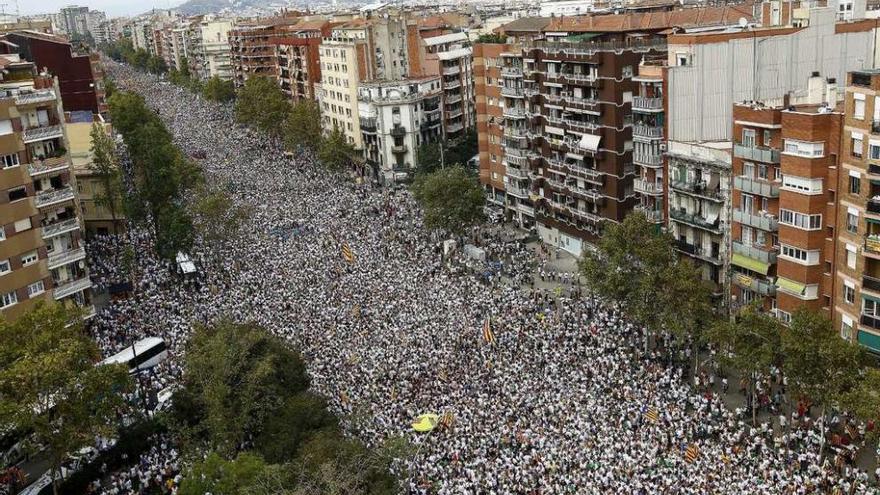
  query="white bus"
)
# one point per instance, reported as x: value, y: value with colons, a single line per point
x: 142, y: 355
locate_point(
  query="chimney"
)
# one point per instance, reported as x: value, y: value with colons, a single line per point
x: 831, y: 92
x: 786, y: 100
x: 815, y: 89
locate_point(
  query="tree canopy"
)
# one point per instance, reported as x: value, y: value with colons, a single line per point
x: 336, y: 153
x: 216, y: 89
x: 105, y: 167
x: 303, y: 126
x: 261, y: 104
x: 451, y: 198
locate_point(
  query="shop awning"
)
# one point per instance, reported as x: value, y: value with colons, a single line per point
x: 750, y: 264
x: 791, y: 286
x: 869, y: 340
x: 590, y: 142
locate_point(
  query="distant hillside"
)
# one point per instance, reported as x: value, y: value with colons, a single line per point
x: 198, y: 7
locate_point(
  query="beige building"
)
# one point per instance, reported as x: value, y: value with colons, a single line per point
x: 42, y: 255
x: 97, y: 218
x: 341, y: 71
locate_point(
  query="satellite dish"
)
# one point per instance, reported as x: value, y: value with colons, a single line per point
x: 743, y: 22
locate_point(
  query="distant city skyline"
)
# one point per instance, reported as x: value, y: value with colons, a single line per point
x: 113, y: 8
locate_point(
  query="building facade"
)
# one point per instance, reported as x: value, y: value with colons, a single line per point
x: 209, y: 49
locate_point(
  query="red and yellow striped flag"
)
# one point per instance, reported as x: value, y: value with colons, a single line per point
x: 652, y: 415
x: 488, y: 334
x: 692, y: 453
x: 346, y: 253
x: 447, y: 419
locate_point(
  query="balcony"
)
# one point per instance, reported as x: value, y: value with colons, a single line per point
x: 526, y: 210
x: 398, y: 148
x: 447, y: 85
x: 42, y: 133
x: 53, y: 196
x: 512, y: 92
x: 368, y: 124
x: 35, y: 97
x: 66, y: 257
x: 451, y: 71
x: 870, y: 321
x: 517, y: 191
x: 757, y: 285
x: 871, y: 283
x: 71, y: 288
x: 872, y: 245
x: 698, y: 252
x: 653, y: 216
x: 697, y: 188
x: 647, y: 187
x: 453, y: 99
x: 514, y: 113
x: 755, y: 252
x: 756, y: 153
x: 645, y: 104
x: 873, y: 206
x: 454, y: 127
x: 756, y: 186
x: 59, y: 228
x: 694, y: 220
x: 48, y: 166
x: 648, y: 159
x: 647, y: 131
x: 511, y: 72
x: 516, y: 172
x: 764, y: 222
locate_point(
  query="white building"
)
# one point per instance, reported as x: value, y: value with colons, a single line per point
x: 455, y: 58
x: 395, y: 119
x: 209, y: 52
x: 565, y: 8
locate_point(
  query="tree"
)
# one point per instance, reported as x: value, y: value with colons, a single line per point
x: 451, y: 199
x: 750, y: 344
x: 463, y: 148
x: 49, y: 383
x: 336, y: 153
x: 864, y: 399
x: 299, y: 417
x: 217, y: 89
x: 303, y: 126
x: 157, y: 65
x: 105, y: 167
x: 820, y: 366
x: 239, y: 375
x: 174, y: 230
x: 261, y: 104
x: 491, y: 38
x: 219, y: 476
x: 428, y: 158
x: 216, y: 216
x: 684, y: 304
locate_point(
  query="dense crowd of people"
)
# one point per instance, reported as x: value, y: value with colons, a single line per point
x: 564, y: 401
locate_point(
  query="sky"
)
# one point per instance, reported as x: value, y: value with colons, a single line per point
x: 113, y: 8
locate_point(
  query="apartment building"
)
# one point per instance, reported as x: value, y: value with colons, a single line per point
x: 252, y: 52
x: 42, y: 257
x: 648, y: 108
x: 786, y: 187
x: 96, y: 217
x: 209, y: 50
x: 857, y: 283
x: 452, y: 57
x: 397, y: 117
x: 343, y: 67
x: 298, y: 59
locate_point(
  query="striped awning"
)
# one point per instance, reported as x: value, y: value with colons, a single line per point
x: 750, y: 264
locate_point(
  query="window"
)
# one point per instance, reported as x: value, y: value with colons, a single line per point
x: 8, y: 161
x: 804, y: 148
x: 17, y: 194
x: 5, y: 127
x: 8, y: 299
x: 849, y: 294
x: 29, y: 258
x: 783, y: 316
x: 801, y: 184
x: 748, y: 203
x: 5, y: 267
x: 748, y: 138
x: 23, y: 224
x: 762, y: 171
x: 767, y: 137
x: 874, y: 149
x: 798, y: 255
x: 851, y: 257
x: 852, y: 223
x: 869, y: 307
x: 800, y: 220
x: 857, y: 142
x: 855, y: 182
x: 2, y: 233
x: 859, y: 106
x: 749, y: 170
x: 36, y: 288
x: 846, y: 327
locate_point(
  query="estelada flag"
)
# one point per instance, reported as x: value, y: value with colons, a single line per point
x: 447, y: 419
x: 692, y: 453
x: 488, y: 334
x: 652, y: 415
x: 347, y: 254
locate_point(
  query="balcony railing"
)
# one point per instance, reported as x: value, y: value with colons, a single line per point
x: 700, y: 188
x: 647, y: 131
x: 681, y: 215
x: 59, y: 228
x: 398, y: 148
x: 647, y: 187
x: 756, y: 153
x: 53, y: 196
x: 764, y: 222
x: 516, y: 172
x: 512, y: 92
x: 38, y: 96
x: 66, y: 257
x: 645, y: 103
x: 514, y: 113
x: 755, y: 252
x: 518, y: 191
x: 511, y: 72
x: 526, y: 210
x: 71, y: 288
x: 587, y: 48
x: 653, y: 216
x: 757, y: 285
x: 873, y: 206
x: 41, y: 133
x: 871, y: 283
x: 872, y: 245
x: 48, y: 166
x: 451, y: 71
x: 648, y: 159
x: 759, y: 187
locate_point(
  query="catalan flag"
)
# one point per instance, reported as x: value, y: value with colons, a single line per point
x: 488, y: 334
x: 347, y: 254
x: 692, y: 453
x: 652, y: 415
x: 447, y: 419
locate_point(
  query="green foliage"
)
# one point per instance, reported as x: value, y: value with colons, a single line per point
x: 335, y: 152
x: 105, y: 168
x: 455, y: 152
x: 286, y: 430
x: 451, y: 198
x: 161, y: 173
x: 240, y: 375
x: 864, y: 399
x: 49, y: 383
x: 684, y: 304
x: 156, y: 65
x: 217, y: 89
x: 219, y: 476
x: 261, y: 104
x: 303, y: 126
x: 428, y: 158
x: 216, y: 216
x: 493, y: 38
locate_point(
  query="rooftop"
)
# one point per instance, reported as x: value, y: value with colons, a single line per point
x: 654, y: 21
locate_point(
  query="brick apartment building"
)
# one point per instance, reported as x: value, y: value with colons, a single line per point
x: 252, y: 51
x: 298, y: 58
x: 785, y: 187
